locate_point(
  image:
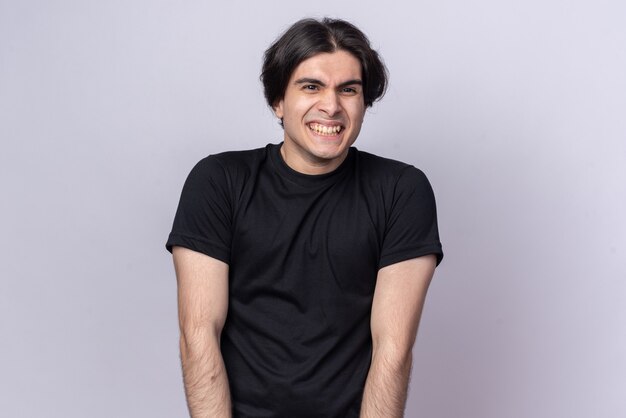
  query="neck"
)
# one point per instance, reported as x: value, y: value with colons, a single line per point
x: 309, y: 164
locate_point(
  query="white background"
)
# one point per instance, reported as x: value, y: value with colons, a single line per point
x: 515, y: 110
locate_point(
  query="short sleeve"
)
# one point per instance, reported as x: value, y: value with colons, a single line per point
x: 411, y: 229
x: 204, y: 216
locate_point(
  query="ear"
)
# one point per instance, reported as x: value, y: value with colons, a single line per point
x: 278, y: 109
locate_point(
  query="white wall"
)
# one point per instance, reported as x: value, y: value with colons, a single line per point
x: 515, y: 110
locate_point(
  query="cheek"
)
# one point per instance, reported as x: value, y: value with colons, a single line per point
x: 355, y: 110
x: 358, y: 115
x: 297, y: 111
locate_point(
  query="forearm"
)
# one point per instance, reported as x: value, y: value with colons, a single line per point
x: 386, y: 386
x: 206, y: 382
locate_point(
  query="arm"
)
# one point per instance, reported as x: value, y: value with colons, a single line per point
x: 202, y: 307
x: 396, y: 309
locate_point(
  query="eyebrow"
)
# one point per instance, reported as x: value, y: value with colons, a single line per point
x: 306, y: 80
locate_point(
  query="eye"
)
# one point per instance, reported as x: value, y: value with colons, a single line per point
x: 310, y: 87
x: 349, y: 90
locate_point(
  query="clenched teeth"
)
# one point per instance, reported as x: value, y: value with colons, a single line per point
x: 325, y: 130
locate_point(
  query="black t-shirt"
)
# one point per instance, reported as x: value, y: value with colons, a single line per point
x: 303, y: 253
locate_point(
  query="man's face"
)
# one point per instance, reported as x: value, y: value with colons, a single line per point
x: 322, y: 112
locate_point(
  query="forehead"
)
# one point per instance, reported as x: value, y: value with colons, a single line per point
x: 335, y: 66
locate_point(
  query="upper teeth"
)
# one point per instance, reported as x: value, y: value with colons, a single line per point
x: 324, y: 130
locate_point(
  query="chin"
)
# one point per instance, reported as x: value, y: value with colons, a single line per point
x: 329, y: 154
x: 328, y: 150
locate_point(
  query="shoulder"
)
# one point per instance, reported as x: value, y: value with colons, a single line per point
x: 230, y: 164
x: 232, y: 160
x: 390, y: 172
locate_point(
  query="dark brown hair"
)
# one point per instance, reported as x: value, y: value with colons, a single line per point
x: 309, y: 37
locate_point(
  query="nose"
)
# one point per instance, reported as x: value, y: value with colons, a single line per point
x: 329, y: 103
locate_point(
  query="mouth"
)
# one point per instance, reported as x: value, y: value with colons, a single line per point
x: 325, y: 130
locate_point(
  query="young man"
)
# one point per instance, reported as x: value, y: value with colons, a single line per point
x: 302, y: 267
